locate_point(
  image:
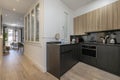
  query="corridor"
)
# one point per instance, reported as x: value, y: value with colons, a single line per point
x: 15, y: 66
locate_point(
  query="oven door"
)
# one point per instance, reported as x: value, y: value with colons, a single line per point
x: 89, y: 56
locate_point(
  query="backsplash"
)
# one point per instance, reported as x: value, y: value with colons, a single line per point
x: 96, y: 36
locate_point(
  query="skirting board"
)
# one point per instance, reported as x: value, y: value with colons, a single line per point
x: 41, y: 68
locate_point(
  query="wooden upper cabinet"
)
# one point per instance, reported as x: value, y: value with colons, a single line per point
x: 85, y: 23
x: 102, y: 22
x: 81, y: 25
x: 92, y: 21
x: 109, y: 17
x: 112, y: 16
x: 118, y: 8
x: 76, y: 25
x: 105, y: 18
x: 115, y: 15
x: 89, y: 21
x: 95, y: 19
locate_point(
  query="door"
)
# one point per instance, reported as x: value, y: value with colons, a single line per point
x: 65, y: 27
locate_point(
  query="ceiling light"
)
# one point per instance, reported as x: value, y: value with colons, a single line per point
x: 17, y: 0
x: 14, y: 24
x: 14, y: 9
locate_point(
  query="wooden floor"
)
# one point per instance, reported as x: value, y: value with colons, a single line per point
x: 15, y: 66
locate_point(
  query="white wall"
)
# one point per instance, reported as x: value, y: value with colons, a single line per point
x: 54, y: 15
x: 34, y: 51
x: 0, y: 21
x: 51, y: 20
x: 92, y: 6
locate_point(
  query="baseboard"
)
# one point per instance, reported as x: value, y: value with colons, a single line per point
x: 41, y: 68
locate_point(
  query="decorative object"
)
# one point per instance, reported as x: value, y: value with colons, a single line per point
x: 57, y: 36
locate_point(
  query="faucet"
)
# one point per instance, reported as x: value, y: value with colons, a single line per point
x: 104, y: 39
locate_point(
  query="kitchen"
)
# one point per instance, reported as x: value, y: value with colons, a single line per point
x: 66, y: 40
x: 96, y: 42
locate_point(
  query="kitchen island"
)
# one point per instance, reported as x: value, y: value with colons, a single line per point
x: 61, y: 57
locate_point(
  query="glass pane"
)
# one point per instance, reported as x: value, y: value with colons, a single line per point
x: 29, y: 27
x: 32, y: 25
x: 37, y: 21
x: 25, y: 28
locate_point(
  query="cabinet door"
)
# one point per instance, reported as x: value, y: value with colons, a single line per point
x: 94, y: 20
x: 76, y: 25
x: 115, y: 16
x: 89, y: 22
x: 67, y: 59
x: 108, y: 58
x: 84, y: 21
x: 80, y: 25
x: 109, y: 17
x: 77, y: 52
x: 112, y: 16
x: 118, y: 17
x: 102, y: 22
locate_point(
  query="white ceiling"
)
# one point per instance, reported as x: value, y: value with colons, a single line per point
x: 21, y: 6
x: 76, y: 4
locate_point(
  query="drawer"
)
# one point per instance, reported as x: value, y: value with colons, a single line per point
x: 66, y: 48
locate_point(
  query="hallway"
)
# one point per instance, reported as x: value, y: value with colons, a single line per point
x: 15, y: 66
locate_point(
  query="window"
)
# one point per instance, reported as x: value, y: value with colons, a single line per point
x: 25, y: 28
x: 29, y: 27
x: 32, y: 25
x: 37, y: 22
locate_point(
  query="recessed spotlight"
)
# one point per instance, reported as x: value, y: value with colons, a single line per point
x: 14, y: 9
x: 6, y: 15
x: 17, y: 0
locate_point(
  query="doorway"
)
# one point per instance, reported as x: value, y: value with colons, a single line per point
x: 12, y: 38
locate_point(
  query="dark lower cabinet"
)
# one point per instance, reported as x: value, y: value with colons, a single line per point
x: 61, y: 58
x: 108, y: 58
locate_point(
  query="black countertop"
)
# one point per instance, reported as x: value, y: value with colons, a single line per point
x: 62, y: 44
x: 107, y: 44
x: 86, y: 43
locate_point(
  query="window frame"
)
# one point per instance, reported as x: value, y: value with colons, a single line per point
x: 26, y: 26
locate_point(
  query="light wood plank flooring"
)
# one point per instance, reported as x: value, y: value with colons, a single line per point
x: 15, y: 66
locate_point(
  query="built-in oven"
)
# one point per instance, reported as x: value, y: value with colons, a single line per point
x: 89, y: 50
x: 89, y: 54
